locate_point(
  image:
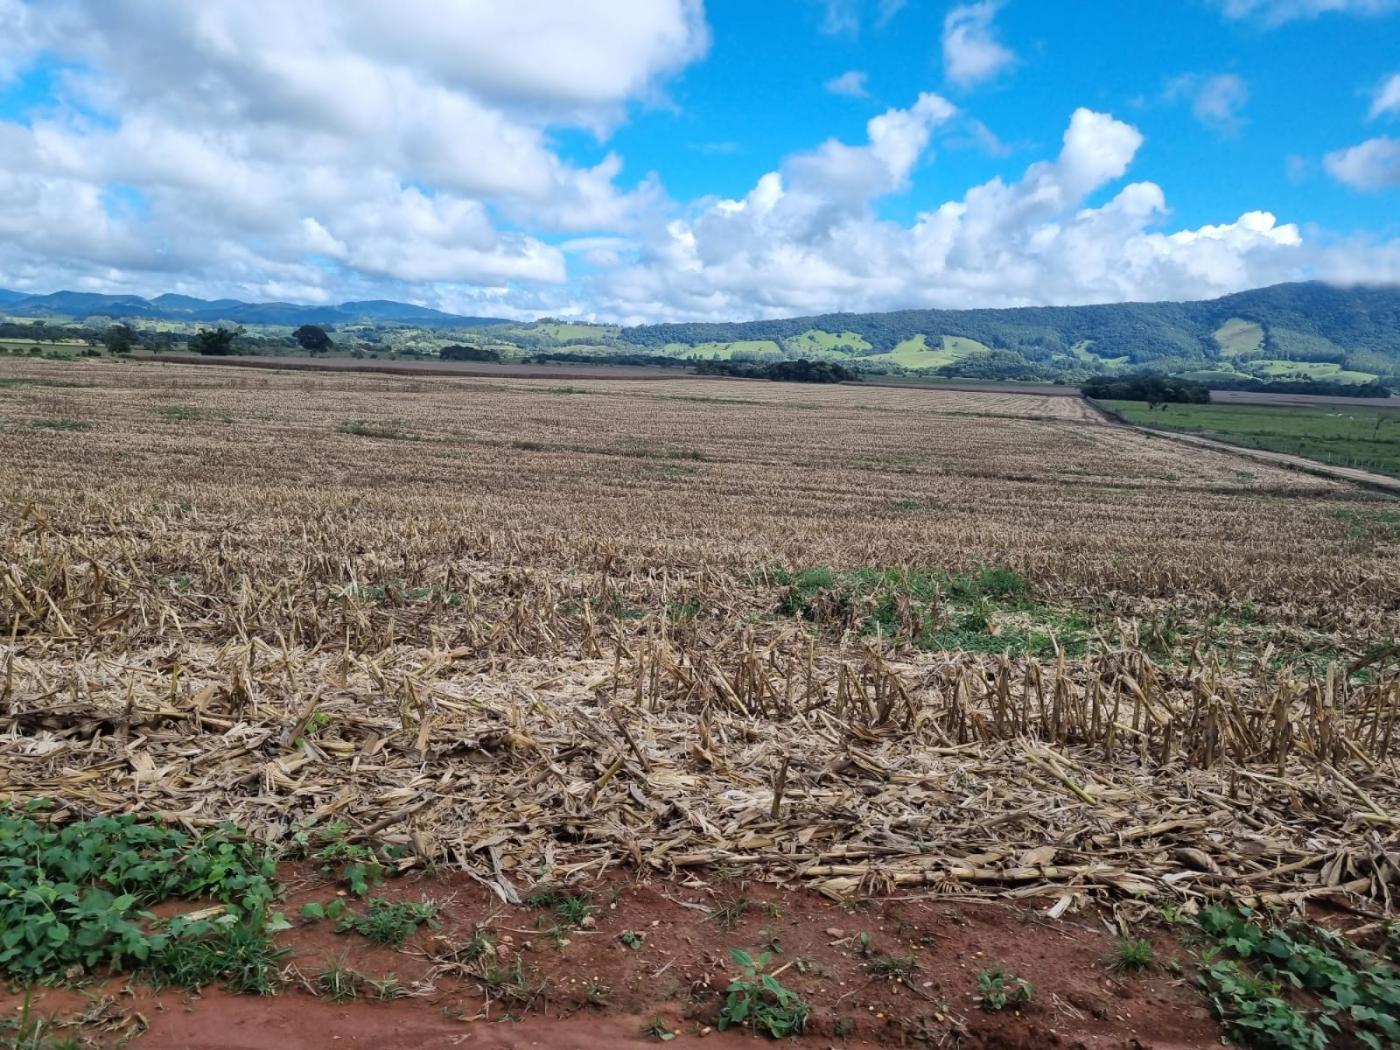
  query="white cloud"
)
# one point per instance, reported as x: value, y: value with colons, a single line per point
x: 413, y: 154
x: 410, y: 144
x: 971, y: 52
x: 840, y: 17
x: 1373, y: 165
x: 851, y: 83
x: 1216, y: 101
x: 807, y: 239
x: 1275, y: 12
x: 1387, y: 97
x: 886, y: 11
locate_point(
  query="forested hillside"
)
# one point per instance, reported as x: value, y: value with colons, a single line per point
x: 1314, y: 331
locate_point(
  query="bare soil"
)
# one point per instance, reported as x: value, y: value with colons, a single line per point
x: 590, y: 989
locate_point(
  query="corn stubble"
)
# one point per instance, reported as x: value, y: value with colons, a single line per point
x: 541, y: 636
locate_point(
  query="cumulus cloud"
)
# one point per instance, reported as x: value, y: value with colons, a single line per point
x: 971, y: 52
x: 1216, y: 101
x: 211, y: 149
x: 1276, y: 12
x: 1373, y: 165
x: 302, y: 143
x: 806, y: 238
x: 1387, y: 98
x: 851, y: 83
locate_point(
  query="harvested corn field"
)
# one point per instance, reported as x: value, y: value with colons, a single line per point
x: 858, y: 640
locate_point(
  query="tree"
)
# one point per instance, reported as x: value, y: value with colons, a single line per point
x: 468, y: 353
x: 218, y: 343
x: 313, y: 338
x: 120, y: 339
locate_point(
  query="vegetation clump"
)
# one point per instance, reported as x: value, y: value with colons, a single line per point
x: 1146, y: 386
x: 1296, y: 986
x: 75, y: 895
x: 756, y: 999
x: 998, y: 989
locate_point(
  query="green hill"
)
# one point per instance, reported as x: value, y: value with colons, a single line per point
x: 1355, y: 331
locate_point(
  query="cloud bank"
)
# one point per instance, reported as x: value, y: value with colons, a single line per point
x: 337, y: 149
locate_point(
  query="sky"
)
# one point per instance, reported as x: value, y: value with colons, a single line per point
x: 673, y: 160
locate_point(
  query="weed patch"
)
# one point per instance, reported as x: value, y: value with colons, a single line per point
x: 73, y: 425
x: 75, y: 896
x: 756, y: 999
x: 388, y: 429
x: 998, y: 989
x: 390, y: 923
x: 987, y: 610
x: 1295, y: 987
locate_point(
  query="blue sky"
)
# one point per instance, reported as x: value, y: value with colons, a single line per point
x: 1309, y: 85
x: 667, y: 159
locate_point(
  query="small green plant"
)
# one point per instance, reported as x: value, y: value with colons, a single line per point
x: 729, y: 917
x: 385, y: 988
x: 76, y: 425
x: 477, y: 947
x: 997, y: 989
x: 544, y: 896
x: 314, y: 911
x: 358, y: 864
x: 895, y: 967
x: 338, y: 982
x: 241, y: 954
x: 1255, y: 1011
x: 390, y: 922
x: 574, y: 910
x: 513, y: 986
x: 657, y: 1029
x: 757, y: 1000
x: 1132, y: 955
x: 633, y: 941
x: 27, y: 1032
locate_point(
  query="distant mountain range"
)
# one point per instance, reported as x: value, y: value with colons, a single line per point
x: 1298, y: 332
x: 1310, y: 329
x: 171, y: 307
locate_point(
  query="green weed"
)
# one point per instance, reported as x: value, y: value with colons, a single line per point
x: 729, y: 917
x: 1251, y: 968
x: 657, y: 1029
x: 75, y: 894
x: 390, y: 922
x: 388, y: 429
x: 1132, y: 955
x: 895, y: 967
x: 338, y: 982
x: 240, y: 954
x: 756, y: 999
x: 73, y: 425
x: 997, y: 989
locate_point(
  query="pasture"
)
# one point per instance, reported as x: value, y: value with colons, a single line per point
x: 1343, y: 435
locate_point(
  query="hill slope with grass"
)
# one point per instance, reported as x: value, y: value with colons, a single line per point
x: 1351, y: 334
